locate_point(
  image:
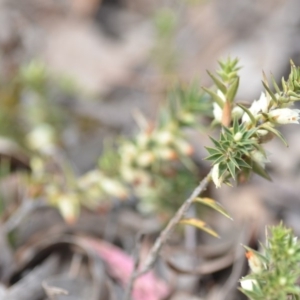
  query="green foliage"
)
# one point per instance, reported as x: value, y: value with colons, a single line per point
x: 233, y: 150
x: 164, y: 52
x: 228, y: 70
x: 184, y: 104
x: 239, y: 149
x: 276, y: 269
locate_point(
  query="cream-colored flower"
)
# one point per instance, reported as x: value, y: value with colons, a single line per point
x: 238, y: 136
x: 166, y: 153
x: 42, y: 138
x: 259, y: 158
x: 264, y: 102
x: 258, y: 106
x: 237, y: 112
x: 284, y: 116
x: 217, y: 110
x: 128, y: 152
x: 184, y: 147
x: 142, y: 139
x: 215, y: 176
x: 145, y: 159
x: 255, y: 263
x: 248, y: 284
x: 164, y: 137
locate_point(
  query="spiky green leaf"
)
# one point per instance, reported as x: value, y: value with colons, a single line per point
x: 270, y: 92
x: 276, y: 132
x: 259, y: 170
x: 199, y: 224
x: 215, y: 97
x: 221, y: 86
x: 230, y: 95
x: 214, y: 205
x: 247, y: 111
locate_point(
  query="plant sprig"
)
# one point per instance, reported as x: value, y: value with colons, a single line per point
x: 275, y: 269
x: 239, y: 149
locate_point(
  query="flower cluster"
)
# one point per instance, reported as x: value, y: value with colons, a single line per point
x: 153, y: 162
x: 244, y: 129
x: 275, y: 270
x: 59, y: 186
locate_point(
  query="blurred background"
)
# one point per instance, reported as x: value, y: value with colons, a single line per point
x: 78, y: 75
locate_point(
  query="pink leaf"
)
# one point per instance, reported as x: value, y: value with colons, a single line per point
x: 120, y: 266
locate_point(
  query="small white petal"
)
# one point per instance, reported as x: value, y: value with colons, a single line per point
x: 221, y: 95
x: 259, y: 157
x: 217, y: 111
x: 284, y: 116
x: 215, y: 176
x: 258, y: 106
x: 264, y: 102
x: 248, y: 284
x: 237, y: 112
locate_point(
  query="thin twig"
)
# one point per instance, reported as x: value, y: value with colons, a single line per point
x: 165, y: 234
x: 27, y: 206
x: 136, y: 257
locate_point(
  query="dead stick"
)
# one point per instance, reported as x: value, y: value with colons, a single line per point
x: 164, y: 235
x: 136, y: 256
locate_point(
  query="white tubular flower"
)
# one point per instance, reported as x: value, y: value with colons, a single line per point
x: 184, y: 147
x: 166, y: 153
x: 128, y: 152
x: 248, y: 284
x: 255, y: 263
x: 237, y: 112
x: 284, y: 116
x: 215, y: 176
x: 42, y: 138
x: 113, y: 188
x: 217, y: 111
x: 259, y: 157
x: 258, y: 106
x: 262, y: 132
x: 164, y: 137
x: 221, y: 95
x: 264, y: 102
x: 145, y: 159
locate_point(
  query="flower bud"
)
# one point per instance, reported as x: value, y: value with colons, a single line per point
x: 145, y: 159
x: 248, y: 284
x: 89, y: 179
x: 217, y: 112
x: 128, y: 152
x: 238, y: 136
x: 262, y: 132
x: 255, y: 263
x: 114, y: 188
x: 166, y: 154
x: 164, y: 138
x: 42, y: 138
x: 135, y: 176
x: 282, y: 281
x: 259, y: 158
x: 184, y: 147
x: 215, y: 176
x: 143, y: 139
x: 237, y: 112
x: 68, y: 206
x: 187, y: 118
